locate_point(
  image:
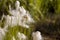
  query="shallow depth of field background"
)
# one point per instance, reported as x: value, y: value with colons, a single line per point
x: 46, y: 14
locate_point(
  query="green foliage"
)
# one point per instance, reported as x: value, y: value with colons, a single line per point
x: 49, y: 7
x: 44, y: 12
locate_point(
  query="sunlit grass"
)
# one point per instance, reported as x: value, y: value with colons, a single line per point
x: 34, y: 7
x: 14, y: 30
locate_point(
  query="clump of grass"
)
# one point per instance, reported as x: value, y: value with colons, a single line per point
x: 13, y: 32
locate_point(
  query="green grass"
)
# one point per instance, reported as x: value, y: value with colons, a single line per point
x: 12, y: 31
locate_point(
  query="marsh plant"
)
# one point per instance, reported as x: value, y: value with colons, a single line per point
x: 16, y: 25
x: 37, y: 35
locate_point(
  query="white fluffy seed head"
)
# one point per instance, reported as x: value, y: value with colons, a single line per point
x: 17, y: 4
x: 36, y: 35
x: 2, y: 33
x: 19, y: 16
x: 21, y: 36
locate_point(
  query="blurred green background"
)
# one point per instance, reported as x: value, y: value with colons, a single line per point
x: 46, y: 14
